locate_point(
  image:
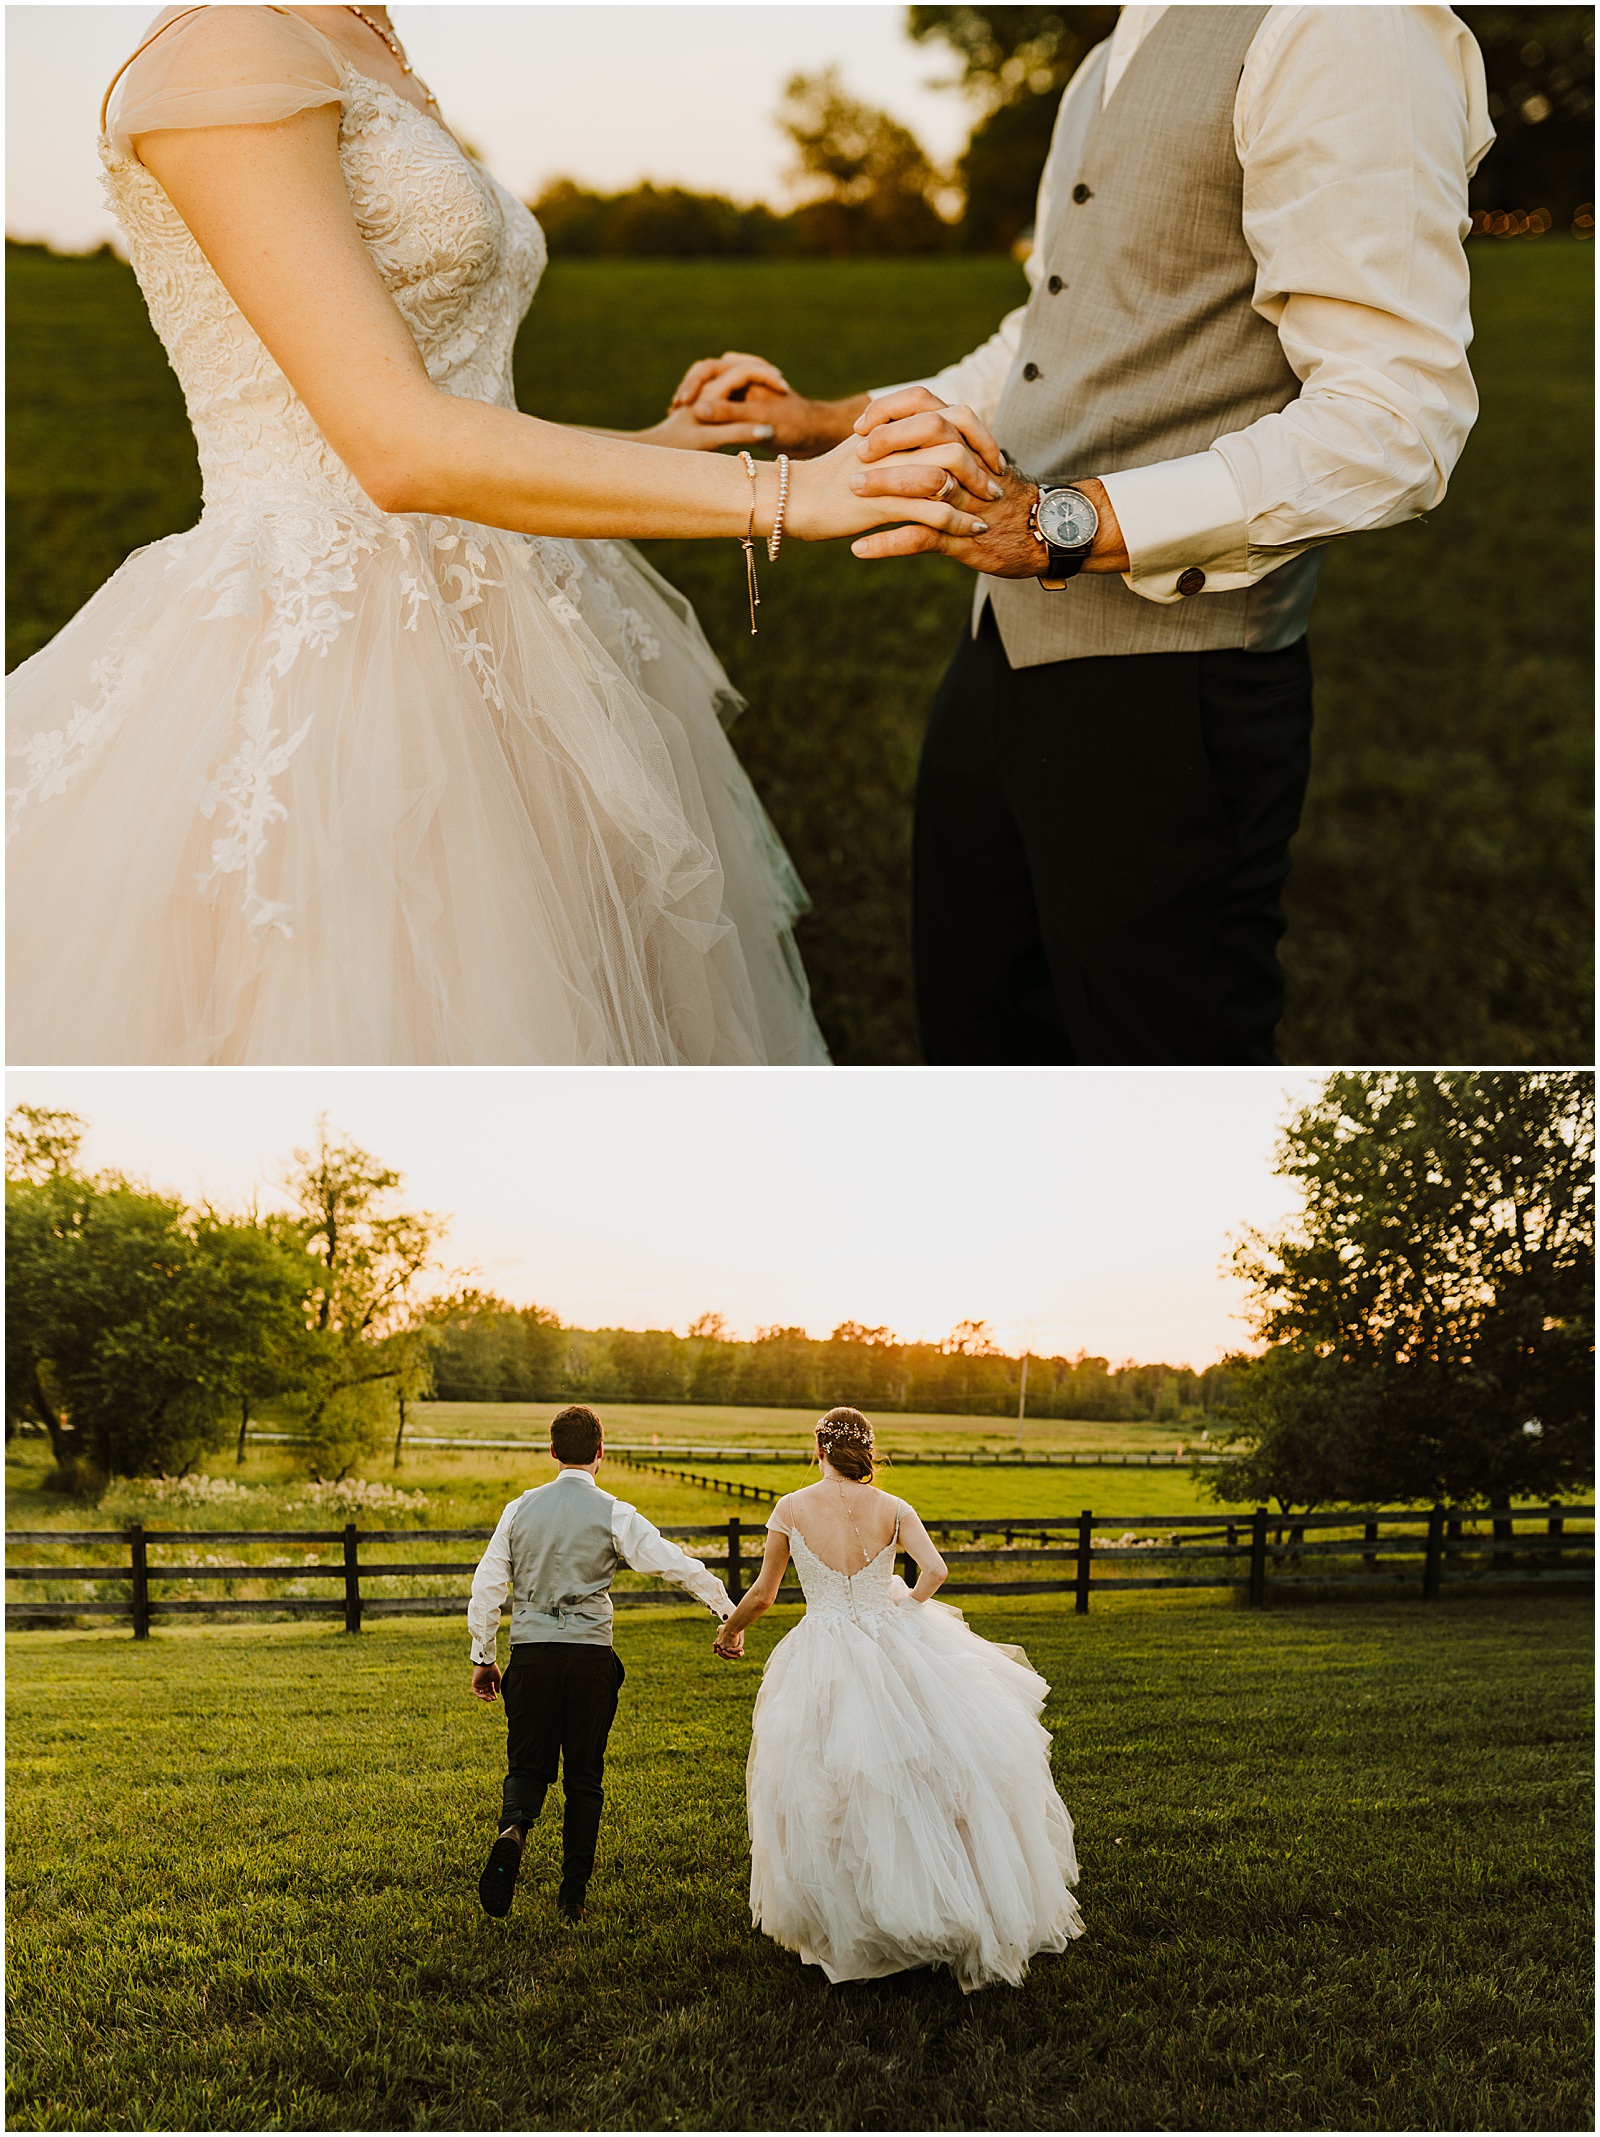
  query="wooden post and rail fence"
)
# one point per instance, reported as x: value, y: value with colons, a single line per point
x: 1251, y: 1555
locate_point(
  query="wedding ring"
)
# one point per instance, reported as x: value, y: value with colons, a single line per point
x: 944, y: 489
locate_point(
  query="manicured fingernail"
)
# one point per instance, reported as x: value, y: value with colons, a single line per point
x: 765, y: 430
x: 996, y: 491
x: 980, y: 526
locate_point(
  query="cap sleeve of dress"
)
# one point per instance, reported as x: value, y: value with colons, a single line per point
x: 224, y: 66
x: 778, y: 1519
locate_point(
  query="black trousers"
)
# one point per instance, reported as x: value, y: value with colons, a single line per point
x: 1100, y: 852
x: 560, y: 1702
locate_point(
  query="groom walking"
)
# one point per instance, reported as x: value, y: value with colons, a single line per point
x: 555, y: 1552
x: 1246, y: 337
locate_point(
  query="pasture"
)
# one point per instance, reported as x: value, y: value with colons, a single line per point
x: 1438, y: 909
x: 1336, y: 1874
x: 747, y: 1425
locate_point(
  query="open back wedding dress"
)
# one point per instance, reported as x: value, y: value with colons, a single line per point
x: 901, y: 1807
x: 317, y: 783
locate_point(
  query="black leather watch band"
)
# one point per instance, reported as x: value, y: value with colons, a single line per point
x: 1061, y: 565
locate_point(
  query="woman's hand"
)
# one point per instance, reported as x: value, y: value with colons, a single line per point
x: 691, y: 432
x: 826, y: 497
x: 729, y: 1646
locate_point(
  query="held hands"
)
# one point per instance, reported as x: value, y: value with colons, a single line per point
x: 937, y: 490
x: 486, y: 1682
x: 730, y: 1646
x: 904, y: 434
x: 720, y: 392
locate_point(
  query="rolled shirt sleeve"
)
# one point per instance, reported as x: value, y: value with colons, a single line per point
x: 491, y: 1588
x: 642, y: 1546
x: 1357, y: 130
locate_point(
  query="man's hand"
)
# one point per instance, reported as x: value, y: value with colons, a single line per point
x: 903, y: 432
x: 730, y: 1646
x: 486, y: 1682
x: 733, y: 388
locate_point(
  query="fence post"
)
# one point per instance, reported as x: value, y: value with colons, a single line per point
x: 1433, y: 1564
x: 1258, y: 1558
x: 735, y: 1570
x: 352, y: 1580
x: 1370, y: 1558
x: 141, y: 1582
x: 1080, y: 1601
x: 1556, y: 1523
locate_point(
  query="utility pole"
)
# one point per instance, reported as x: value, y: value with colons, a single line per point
x: 1022, y: 1400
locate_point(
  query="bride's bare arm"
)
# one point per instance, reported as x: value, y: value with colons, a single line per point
x: 931, y: 1568
x: 762, y: 1592
x: 267, y: 205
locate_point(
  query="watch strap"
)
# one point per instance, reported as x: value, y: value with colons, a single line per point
x: 1061, y: 565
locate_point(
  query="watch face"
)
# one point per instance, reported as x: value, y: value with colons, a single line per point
x: 1067, y: 520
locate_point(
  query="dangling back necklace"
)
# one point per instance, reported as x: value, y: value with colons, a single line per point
x: 393, y: 43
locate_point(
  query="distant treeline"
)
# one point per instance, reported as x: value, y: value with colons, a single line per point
x: 666, y: 222
x: 491, y: 1352
x: 876, y: 191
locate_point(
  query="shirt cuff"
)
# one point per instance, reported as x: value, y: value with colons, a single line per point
x: 1184, y: 527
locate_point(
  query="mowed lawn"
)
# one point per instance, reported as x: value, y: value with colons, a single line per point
x: 1439, y: 907
x: 1336, y: 1874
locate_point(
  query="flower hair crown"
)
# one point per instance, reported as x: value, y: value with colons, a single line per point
x: 832, y: 1429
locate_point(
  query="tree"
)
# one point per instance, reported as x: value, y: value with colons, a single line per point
x: 1430, y: 1318
x: 42, y: 1144
x: 131, y: 1322
x: 372, y: 1340
x: 1015, y: 62
x: 871, y: 178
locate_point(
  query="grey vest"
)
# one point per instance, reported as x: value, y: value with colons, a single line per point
x: 562, y: 1563
x: 1139, y: 343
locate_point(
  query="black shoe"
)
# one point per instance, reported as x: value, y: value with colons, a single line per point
x: 499, y: 1879
x: 569, y: 1903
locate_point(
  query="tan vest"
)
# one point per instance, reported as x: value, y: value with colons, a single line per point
x: 1139, y: 343
x: 563, y: 1560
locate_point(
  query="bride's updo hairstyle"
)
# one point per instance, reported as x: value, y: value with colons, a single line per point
x: 845, y: 1437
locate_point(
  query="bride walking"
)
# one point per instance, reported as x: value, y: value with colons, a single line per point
x: 898, y: 1787
x: 401, y: 754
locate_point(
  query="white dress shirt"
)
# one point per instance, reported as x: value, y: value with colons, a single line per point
x: 638, y: 1544
x: 1357, y: 129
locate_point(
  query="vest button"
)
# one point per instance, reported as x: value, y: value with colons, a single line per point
x: 1030, y: 371
x: 1191, y: 581
x: 1055, y: 285
x: 1081, y: 193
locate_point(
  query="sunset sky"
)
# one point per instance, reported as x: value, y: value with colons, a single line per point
x: 538, y: 89
x: 1089, y: 1212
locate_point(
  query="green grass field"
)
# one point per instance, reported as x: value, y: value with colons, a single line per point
x: 1336, y: 1875
x: 1439, y: 908
x: 736, y: 1425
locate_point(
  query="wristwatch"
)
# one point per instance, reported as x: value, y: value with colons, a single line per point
x: 1065, y: 522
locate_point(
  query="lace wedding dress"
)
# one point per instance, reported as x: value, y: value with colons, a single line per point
x: 899, y: 1793
x: 317, y: 783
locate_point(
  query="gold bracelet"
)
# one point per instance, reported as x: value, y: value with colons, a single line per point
x: 748, y: 545
x: 775, y: 538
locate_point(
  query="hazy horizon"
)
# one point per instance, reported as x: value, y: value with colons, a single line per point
x: 1089, y: 1213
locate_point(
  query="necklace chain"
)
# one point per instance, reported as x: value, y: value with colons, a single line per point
x: 388, y: 37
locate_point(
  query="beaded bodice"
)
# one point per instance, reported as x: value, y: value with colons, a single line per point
x: 460, y: 256
x: 828, y: 1592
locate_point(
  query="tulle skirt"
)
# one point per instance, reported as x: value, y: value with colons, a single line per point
x: 307, y: 784
x: 901, y: 1807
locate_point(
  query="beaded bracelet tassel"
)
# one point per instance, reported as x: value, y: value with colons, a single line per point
x: 748, y: 544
